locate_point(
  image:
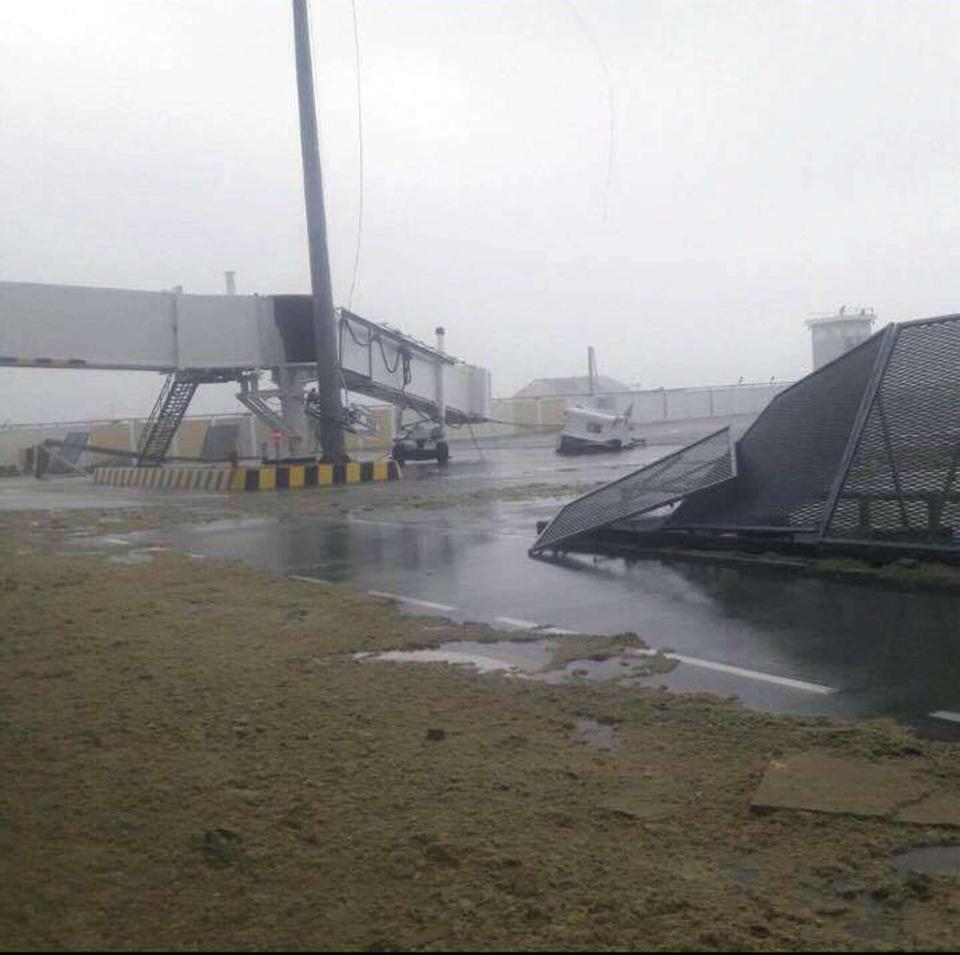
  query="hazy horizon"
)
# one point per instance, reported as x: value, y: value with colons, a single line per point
x: 769, y: 161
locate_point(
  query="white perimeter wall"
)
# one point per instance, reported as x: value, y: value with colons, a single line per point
x: 527, y: 415
x: 514, y: 416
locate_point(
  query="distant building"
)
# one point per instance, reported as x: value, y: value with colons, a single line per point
x: 834, y: 335
x: 577, y: 386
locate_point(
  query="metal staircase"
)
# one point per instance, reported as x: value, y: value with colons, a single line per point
x: 165, y: 418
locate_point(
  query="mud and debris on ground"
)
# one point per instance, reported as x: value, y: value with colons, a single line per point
x: 191, y: 757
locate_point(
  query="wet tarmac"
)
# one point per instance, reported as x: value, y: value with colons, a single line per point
x: 69, y: 493
x: 533, y: 458
x: 777, y: 640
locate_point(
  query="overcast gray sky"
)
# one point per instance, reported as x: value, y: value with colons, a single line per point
x: 770, y: 159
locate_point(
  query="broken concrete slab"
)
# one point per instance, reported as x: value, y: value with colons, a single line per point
x: 937, y: 809
x: 820, y: 782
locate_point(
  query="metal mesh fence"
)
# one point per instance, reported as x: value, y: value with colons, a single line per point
x: 865, y: 449
x: 901, y: 484
x: 700, y: 465
x: 788, y: 460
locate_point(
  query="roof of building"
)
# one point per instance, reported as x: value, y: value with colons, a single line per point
x: 577, y: 385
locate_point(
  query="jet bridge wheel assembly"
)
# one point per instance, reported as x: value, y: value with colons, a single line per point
x: 420, y: 449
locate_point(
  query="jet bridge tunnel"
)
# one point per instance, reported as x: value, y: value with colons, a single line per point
x: 198, y: 339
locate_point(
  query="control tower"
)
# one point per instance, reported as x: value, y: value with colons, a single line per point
x: 833, y: 335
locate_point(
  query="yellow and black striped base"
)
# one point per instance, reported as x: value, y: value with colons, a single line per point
x: 267, y: 478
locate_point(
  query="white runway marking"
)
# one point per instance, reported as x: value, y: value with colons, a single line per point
x: 480, y: 662
x: 748, y: 674
x: 516, y: 623
x: 948, y: 715
x: 308, y: 580
x: 416, y: 601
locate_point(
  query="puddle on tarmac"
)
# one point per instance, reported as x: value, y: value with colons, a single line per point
x: 931, y: 860
x: 532, y: 659
x: 598, y: 735
x: 476, y: 661
x: 522, y: 656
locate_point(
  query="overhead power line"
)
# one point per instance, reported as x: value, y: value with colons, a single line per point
x: 611, y: 112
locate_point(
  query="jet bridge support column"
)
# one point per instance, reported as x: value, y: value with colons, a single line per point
x: 441, y: 404
x: 290, y: 384
x: 291, y: 420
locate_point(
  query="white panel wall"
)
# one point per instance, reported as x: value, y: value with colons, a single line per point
x: 687, y: 404
x: 218, y: 331
x: 683, y: 405
x: 423, y: 378
x: 101, y: 327
x: 456, y: 386
x: 467, y: 388
x: 271, y: 344
x: 746, y: 399
x: 357, y: 358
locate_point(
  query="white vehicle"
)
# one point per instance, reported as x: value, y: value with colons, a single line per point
x: 587, y: 430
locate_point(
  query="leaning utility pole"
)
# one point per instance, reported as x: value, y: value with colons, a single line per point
x: 328, y: 370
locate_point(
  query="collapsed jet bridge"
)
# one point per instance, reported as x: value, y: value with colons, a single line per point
x: 860, y: 456
x: 201, y: 339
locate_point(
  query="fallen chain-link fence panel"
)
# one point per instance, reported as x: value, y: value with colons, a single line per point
x: 901, y: 481
x: 866, y: 450
x: 788, y: 459
x: 704, y: 463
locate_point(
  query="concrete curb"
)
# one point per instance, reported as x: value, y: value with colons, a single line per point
x: 267, y: 478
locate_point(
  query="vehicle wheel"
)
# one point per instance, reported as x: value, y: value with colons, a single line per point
x: 443, y: 452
